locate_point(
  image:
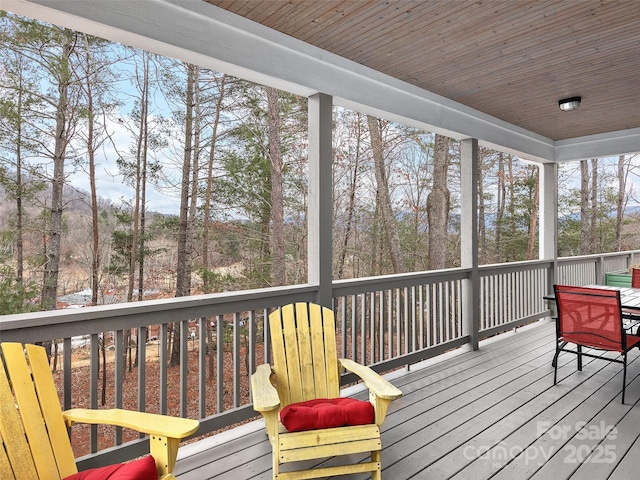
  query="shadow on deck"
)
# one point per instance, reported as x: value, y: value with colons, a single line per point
x: 493, y: 413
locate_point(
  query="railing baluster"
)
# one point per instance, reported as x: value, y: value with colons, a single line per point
x: 450, y: 311
x: 164, y: 377
x: 252, y: 342
x: 343, y: 326
x: 390, y: 331
x: 66, y: 372
x: 184, y: 366
x: 236, y: 359
x: 428, y: 306
x: 380, y: 326
x: 220, y: 367
x: 421, y: 315
x: 440, y: 314
x: 372, y: 328
x: 202, y: 367
x: 94, y: 369
x: 120, y: 365
x: 354, y: 327
x: 265, y: 335
x: 142, y: 368
x: 363, y: 328
x: 406, y: 317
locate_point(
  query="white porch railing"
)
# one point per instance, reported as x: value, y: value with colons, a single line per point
x: 386, y: 322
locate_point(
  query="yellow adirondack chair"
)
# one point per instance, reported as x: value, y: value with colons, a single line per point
x: 33, y: 428
x: 306, y: 367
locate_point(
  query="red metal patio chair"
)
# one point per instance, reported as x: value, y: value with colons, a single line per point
x: 592, y: 318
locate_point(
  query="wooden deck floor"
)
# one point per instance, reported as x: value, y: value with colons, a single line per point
x: 493, y: 413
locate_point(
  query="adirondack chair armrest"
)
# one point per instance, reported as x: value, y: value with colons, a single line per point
x: 381, y: 392
x: 376, y: 384
x: 264, y: 394
x: 144, y: 422
x: 164, y: 432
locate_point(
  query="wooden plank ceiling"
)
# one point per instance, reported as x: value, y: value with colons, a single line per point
x: 512, y: 59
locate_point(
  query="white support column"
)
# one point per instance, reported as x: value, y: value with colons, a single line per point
x: 320, y: 213
x: 548, y: 234
x: 469, y: 237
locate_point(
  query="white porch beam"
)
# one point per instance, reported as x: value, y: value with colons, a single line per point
x: 594, y: 146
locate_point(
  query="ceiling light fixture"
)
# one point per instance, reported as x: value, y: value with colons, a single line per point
x: 567, y: 104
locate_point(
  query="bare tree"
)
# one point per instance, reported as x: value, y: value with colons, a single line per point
x: 533, y: 220
x: 501, y: 202
x: 52, y: 262
x: 438, y: 205
x: 593, y: 224
x: 621, y: 198
x: 207, y: 216
x: 354, y: 166
x: 482, y: 223
x: 277, y: 199
x: 584, y: 206
x: 209, y: 186
x: 383, y: 196
x: 183, y: 269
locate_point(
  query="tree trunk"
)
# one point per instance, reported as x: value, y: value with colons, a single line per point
x: 208, y: 195
x: 52, y: 262
x: 513, y: 227
x: 103, y: 350
x: 91, y: 154
x: 195, y: 170
x: 501, y: 200
x: 277, y: 201
x: 438, y: 205
x: 19, y: 187
x: 584, y: 206
x: 143, y: 216
x: 482, y: 230
x: 533, y: 220
x: 593, y: 227
x: 183, y: 269
x: 352, y: 199
x: 620, y: 201
x: 386, y: 211
x: 138, y: 180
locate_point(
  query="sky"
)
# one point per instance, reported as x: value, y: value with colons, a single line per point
x: 110, y: 183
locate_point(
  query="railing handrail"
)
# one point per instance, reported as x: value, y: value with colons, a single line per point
x: 96, y: 319
x: 147, y: 311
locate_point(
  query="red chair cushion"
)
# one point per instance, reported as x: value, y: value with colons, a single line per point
x: 142, y: 469
x: 326, y: 413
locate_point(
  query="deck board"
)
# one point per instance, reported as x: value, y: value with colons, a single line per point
x: 493, y: 413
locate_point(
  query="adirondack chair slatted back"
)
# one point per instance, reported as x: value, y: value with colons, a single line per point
x: 34, y: 436
x: 305, y: 355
